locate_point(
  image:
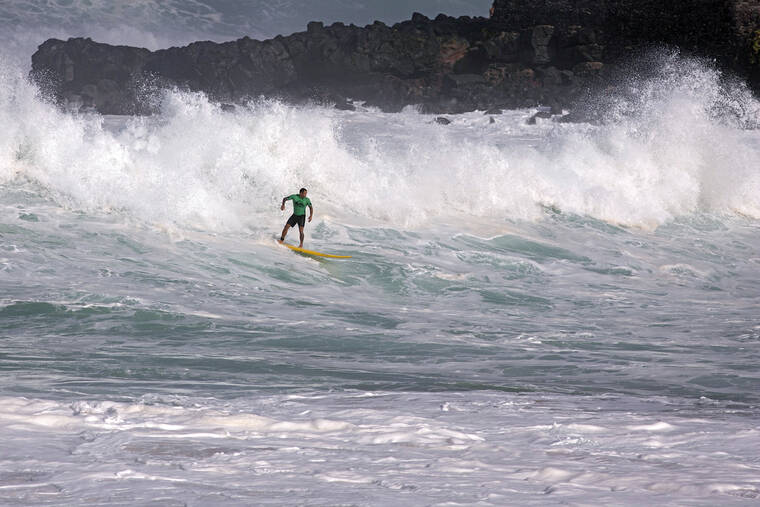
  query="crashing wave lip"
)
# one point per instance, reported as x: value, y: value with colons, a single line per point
x: 196, y: 167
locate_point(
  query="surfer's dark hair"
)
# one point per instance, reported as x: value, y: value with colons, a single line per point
x: 302, y: 190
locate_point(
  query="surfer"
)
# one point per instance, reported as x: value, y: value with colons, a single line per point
x: 300, y: 201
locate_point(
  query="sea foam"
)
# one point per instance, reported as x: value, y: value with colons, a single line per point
x: 663, y: 155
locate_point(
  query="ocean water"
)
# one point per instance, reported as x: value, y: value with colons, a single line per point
x: 549, y: 314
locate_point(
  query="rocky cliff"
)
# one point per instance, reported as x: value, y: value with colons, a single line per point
x: 723, y: 29
x: 547, y: 52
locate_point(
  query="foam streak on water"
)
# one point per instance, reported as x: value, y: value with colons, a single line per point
x: 532, y: 315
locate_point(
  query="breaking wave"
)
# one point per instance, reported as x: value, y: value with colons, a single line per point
x: 670, y: 146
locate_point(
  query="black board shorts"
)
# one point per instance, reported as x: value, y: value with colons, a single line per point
x: 297, y: 219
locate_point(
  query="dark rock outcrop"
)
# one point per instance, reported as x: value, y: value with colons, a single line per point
x: 547, y: 52
x: 608, y: 30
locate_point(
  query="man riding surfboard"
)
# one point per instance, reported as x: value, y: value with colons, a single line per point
x: 300, y: 201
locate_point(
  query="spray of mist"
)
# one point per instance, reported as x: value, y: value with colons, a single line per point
x: 663, y: 151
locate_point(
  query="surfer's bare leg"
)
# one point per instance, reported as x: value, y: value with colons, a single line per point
x: 285, y: 233
x: 300, y: 231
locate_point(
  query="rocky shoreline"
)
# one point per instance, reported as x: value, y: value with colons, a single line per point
x: 548, y: 53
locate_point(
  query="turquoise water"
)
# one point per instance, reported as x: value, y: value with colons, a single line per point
x: 532, y: 314
x: 569, y: 305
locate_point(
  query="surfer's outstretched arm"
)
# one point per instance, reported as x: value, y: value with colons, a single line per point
x: 311, y: 211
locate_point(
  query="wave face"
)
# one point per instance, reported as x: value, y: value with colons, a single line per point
x: 551, y: 311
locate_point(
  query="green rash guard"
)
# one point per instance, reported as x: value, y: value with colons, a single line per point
x: 299, y: 205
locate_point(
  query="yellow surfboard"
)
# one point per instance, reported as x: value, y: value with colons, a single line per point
x: 311, y: 252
